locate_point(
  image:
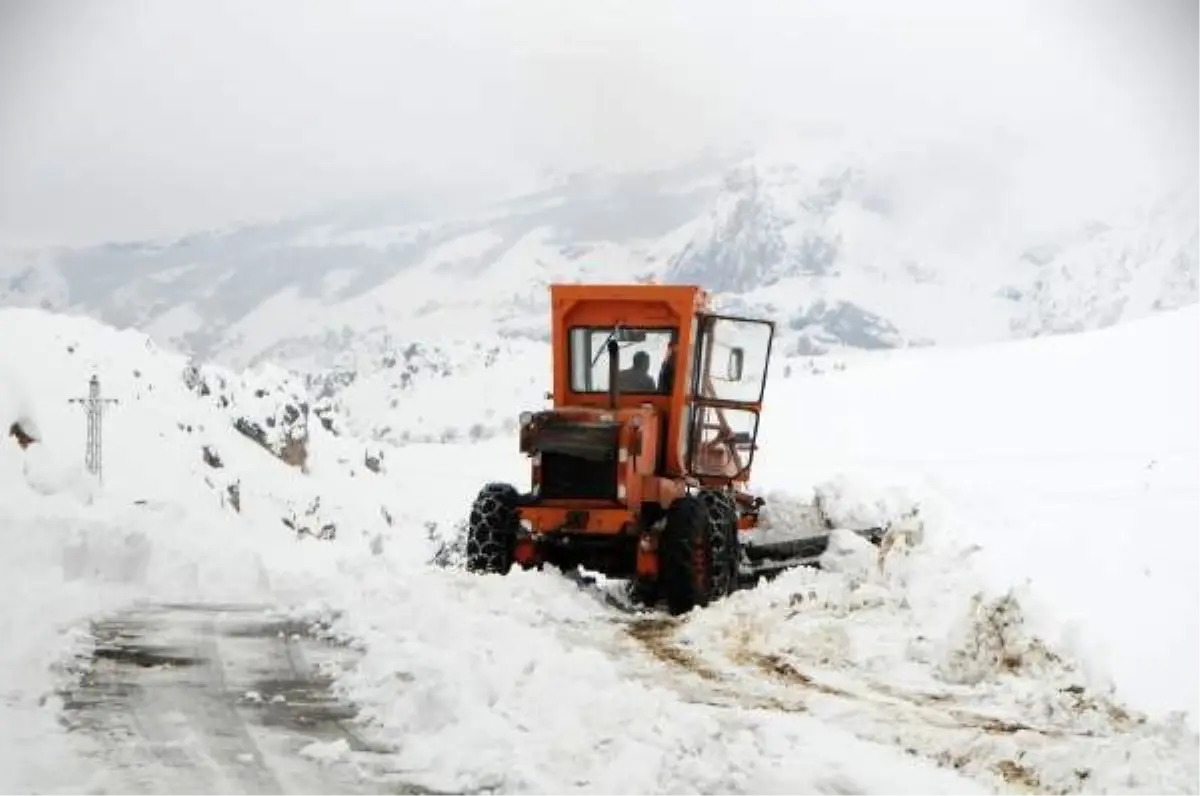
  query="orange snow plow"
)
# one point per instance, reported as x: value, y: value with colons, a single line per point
x: 639, y: 468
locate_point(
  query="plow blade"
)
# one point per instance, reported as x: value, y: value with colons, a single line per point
x: 768, y: 559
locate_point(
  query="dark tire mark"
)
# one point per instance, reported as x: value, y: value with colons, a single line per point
x: 655, y: 635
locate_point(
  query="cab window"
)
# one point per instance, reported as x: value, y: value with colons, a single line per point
x: 642, y: 353
x: 733, y: 354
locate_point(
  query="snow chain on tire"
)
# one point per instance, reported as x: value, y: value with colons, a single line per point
x: 722, y: 527
x: 698, y: 551
x: 492, y: 530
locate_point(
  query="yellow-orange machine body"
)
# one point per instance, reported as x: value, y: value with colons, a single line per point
x: 639, y: 467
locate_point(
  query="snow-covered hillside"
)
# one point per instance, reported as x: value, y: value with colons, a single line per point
x: 847, y: 244
x: 1039, y: 635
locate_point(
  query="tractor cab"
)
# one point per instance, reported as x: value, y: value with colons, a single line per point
x: 622, y: 347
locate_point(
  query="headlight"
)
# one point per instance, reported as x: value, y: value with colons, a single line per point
x: 525, y: 418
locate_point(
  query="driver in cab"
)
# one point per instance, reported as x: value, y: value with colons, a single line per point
x: 636, y: 378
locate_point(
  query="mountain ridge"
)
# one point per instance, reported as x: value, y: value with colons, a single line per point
x: 830, y: 243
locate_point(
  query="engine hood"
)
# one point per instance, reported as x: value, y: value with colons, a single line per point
x: 579, y: 431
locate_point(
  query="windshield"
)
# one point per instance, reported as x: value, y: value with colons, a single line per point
x: 643, y: 352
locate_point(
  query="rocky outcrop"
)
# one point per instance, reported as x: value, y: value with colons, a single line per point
x: 23, y: 435
x: 211, y: 457
x: 771, y: 221
x: 269, y: 407
x: 826, y: 325
x: 311, y: 523
x: 284, y: 436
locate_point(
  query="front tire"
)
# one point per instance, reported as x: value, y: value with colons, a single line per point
x: 492, y: 530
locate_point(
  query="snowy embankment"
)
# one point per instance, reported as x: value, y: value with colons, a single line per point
x: 1072, y: 462
x: 191, y: 507
x: 1032, y: 464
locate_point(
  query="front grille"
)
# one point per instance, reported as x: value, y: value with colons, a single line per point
x: 568, y: 476
x: 578, y: 457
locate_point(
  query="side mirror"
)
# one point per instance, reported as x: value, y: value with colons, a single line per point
x: 737, y: 359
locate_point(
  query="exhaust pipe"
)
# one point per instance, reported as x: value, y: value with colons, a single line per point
x: 614, y: 370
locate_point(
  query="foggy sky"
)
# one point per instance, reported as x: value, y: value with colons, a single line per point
x: 133, y: 118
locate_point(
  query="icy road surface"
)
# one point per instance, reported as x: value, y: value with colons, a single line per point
x: 215, y: 699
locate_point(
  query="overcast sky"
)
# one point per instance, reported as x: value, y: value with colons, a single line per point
x: 125, y: 119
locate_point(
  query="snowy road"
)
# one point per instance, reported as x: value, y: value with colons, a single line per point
x: 217, y: 699
x: 239, y: 699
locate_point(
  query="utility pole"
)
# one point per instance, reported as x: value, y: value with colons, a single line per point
x: 94, y: 406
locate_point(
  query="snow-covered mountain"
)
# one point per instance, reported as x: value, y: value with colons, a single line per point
x: 846, y: 246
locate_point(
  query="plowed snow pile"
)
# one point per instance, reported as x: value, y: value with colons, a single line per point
x: 913, y: 649
x: 530, y: 685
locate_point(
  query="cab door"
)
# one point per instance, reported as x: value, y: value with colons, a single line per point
x: 729, y: 377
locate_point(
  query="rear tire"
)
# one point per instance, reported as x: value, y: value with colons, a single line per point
x: 726, y: 550
x: 685, y: 556
x: 492, y: 530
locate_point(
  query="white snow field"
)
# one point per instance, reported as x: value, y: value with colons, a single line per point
x: 1037, y: 632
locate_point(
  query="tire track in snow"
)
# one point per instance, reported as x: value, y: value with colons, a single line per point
x: 1014, y: 755
x: 715, y: 688
x: 650, y: 632
x: 745, y: 690
x: 655, y: 636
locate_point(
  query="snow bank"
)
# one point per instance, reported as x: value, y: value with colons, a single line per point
x: 913, y: 642
x: 1070, y: 462
x: 242, y: 443
x: 520, y: 685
